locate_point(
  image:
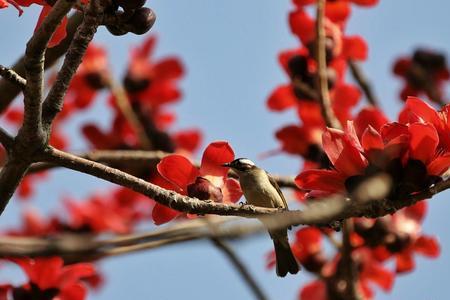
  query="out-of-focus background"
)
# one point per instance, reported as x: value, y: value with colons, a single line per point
x: 230, y: 50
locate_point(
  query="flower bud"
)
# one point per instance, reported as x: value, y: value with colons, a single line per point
x: 142, y: 20
x: 203, y: 189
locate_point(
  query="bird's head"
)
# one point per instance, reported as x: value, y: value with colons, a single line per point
x: 241, y: 165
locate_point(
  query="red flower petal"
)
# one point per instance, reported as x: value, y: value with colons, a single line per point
x: 215, y: 155
x: 337, y: 11
x: 323, y: 180
x: 343, y: 153
x: 439, y: 165
x: 379, y: 275
x: 365, y: 2
x: 302, y: 25
x: 355, y: 48
x: 372, y: 140
x: 424, y: 110
x: 424, y: 141
x: 231, y: 191
x: 162, y: 214
x: 188, y: 140
x: 60, y: 32
x: 178, y: 170
x: 369, y: 116
x: 401, y: 66
x: 428, y: 246
x: 417, y: 211
x: 73, y: 273
x: 282, y: 98
x: 315, y: 290
x: 404, y: 262
x: 168, y: 68
x: 294, y: 139
x: 73, y: 292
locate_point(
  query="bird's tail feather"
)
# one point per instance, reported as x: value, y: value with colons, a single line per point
x: 286, y: 262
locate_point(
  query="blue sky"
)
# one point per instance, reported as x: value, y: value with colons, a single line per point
x: 230, y: 49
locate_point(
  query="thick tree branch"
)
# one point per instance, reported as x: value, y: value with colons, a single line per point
x: 363, y: 82
x: 30, y: 138
x: 34, y: 70
x: 322, y: 79
x: 8, y: 90
x: 12, y: 77
x: 85, y: 33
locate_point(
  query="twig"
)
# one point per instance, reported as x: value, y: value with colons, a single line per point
x: 240, y: 267
x: 305, y: 89
x: 322, y: 80
x: 348, y: 265
x: 12, y: 77
x: 9, y: 91
x: 363, y: 82
x: 54, y: 101
x: 125, y: 108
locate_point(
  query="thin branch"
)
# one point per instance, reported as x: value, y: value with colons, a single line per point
x: 123, y: 103
x: 240, y: 267
x: 131, y: 158
x: 9, y: 91
x: 12, y: 77
x: 305, y: 89
x: 348, y: 265
x: 324, y: 95
x: 363, y: 82
x: 85, y: 33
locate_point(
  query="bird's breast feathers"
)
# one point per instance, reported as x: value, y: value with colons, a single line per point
x: 259, y: 191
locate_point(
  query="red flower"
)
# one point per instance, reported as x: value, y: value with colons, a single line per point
x: 409, y: 153
x: 425, y: 73
x: 207, y: 182
x: 153, y: 83
x: 404, y: 239
x: 49, y: 277
x: 338, y: 11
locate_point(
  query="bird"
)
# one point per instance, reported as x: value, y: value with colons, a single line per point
x: 260, y: 189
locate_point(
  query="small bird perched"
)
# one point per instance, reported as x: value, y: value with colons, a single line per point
x: 260, y: 189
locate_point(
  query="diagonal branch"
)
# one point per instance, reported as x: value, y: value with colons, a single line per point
x: 138, y: 158
x: 240, y: 267
x: 322, y: 80
x: 12, y: 77
x: 363, y: 82
x: 34, y: 69
x: 54, y: 101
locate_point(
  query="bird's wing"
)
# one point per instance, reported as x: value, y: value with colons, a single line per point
x: 275, y: 185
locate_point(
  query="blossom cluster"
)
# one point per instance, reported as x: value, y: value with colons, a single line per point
x: 413, y: 152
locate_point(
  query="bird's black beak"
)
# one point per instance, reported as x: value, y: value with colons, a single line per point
x: 227, y: 165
